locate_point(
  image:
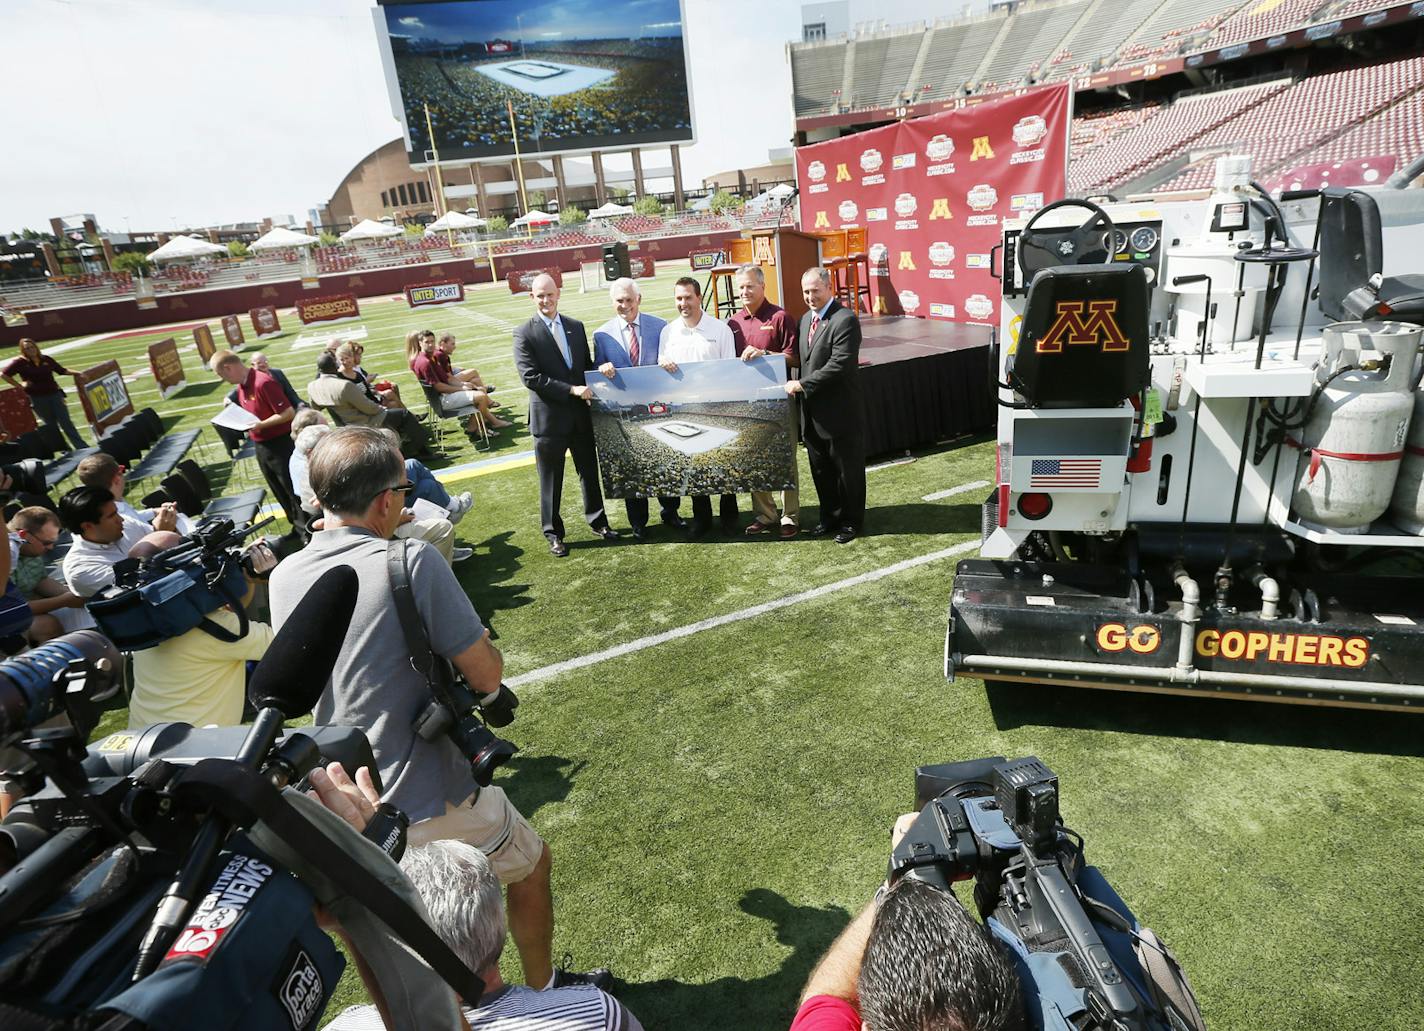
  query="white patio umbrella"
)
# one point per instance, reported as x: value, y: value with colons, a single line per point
x: 535, y: 218
x: 610, y: 210
x: 182, y: 248
x: 279, y: 238
x: 454, y: 220
x: 369, y: 230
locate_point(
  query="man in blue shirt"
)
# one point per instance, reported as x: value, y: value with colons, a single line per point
x: 631, y: 339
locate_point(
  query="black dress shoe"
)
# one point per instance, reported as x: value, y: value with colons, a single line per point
x: 557, y: 548
x: 640, y: 533
x: 676, y: 522
x: 820, y: 530
x: 606, y: 532
x: 846, y: 534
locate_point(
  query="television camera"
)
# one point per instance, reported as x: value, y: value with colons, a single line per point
x: 1083, y: 959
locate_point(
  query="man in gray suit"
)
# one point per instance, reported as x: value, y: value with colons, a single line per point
x: 551, y: 355
x: 832, y: 420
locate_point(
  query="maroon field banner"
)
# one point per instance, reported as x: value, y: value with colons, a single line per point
x: 264, y: 322
x: 521, y: 282
x: 166, y: 366
x: 932, y: 193
x: 203, y: 340
x: 328, y: 309
x: 444, y: 291
x: 232, y: 329
x: 16, y: 415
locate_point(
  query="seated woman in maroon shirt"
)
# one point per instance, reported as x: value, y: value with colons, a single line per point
x: 37, y: 374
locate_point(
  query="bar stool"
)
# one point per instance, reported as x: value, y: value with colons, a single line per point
x: 858, y: 280
x: 712, y: 292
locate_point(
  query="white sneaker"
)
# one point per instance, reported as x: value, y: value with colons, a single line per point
x: 460, y: 506
x: 460, y: 554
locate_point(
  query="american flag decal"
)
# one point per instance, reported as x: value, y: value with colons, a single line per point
x: 1065, y: 472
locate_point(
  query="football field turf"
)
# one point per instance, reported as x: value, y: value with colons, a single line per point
x: 716, y: 737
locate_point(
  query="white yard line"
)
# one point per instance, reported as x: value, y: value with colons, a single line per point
x: 956, y: 490
x: 545, y: 672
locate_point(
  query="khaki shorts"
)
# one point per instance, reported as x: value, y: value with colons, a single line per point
x: 493, y: 826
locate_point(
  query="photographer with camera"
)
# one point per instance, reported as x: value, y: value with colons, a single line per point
x: 912, y: 960
x: 197, y: 678
x: 102, y: 536
x: 376, y: 685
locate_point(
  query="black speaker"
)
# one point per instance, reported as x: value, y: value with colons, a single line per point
x: 615, y: 262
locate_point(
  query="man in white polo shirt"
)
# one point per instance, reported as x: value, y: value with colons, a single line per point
x: 696, y: 336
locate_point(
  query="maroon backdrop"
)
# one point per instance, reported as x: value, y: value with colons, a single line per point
x: 932, y: 192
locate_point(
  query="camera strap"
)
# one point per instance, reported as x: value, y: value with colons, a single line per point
x: 422, y: 659
x: 245, y: 797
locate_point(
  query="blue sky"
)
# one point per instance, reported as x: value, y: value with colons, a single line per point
x: 481, y: 20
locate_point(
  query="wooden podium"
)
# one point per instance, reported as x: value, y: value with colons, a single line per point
x: 783, y: 254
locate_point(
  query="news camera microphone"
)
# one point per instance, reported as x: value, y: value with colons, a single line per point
x: 287, y: 683
x: 74, y: 671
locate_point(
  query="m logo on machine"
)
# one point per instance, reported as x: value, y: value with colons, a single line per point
x: 1051, y: 473
x: 1069, y: 326
x: 848, y: 211
x: 300, y: 992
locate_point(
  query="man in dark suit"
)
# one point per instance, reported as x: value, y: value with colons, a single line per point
x: 551, y: 354
x: 832, y: 423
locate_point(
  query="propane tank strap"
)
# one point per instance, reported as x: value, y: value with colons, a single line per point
x: 1317, y: 453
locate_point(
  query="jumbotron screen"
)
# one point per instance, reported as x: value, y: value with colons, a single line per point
x: 581, y: 74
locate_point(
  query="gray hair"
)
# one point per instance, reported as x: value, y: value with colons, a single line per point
x: 350, y: 466
x: 391, y: 435
x: 753, y: 272
x: 821, y: 273
x: 309, y: 436
x: 623, y: 284
x: 307, y: 417
x: 461, y: 893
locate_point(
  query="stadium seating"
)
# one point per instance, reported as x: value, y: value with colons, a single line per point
x: 1097, y: 37
x: 956, y: 50
x: 1034, y: 34
x: 816, y: 72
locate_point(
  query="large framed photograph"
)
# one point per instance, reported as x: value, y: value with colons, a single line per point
x: 710, y: 428
x: 579, y: 74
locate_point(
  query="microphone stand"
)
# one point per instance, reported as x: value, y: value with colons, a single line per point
x: 177, y: 902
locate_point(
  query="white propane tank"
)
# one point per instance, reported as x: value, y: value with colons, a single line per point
x: 1354, y: 439
x: 1406, y: 510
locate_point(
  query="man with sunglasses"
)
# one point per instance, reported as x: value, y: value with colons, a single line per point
x: 358, y: 476
x: 34, y: 532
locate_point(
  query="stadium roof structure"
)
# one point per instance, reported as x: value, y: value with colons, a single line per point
x: 182, y: 248
x: 369, y: 230
x: 278, y: 238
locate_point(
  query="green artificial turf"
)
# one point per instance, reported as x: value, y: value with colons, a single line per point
x: 719, y: 805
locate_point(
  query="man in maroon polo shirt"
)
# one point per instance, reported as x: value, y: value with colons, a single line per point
x: 759, y: 328
x: 263, y: 396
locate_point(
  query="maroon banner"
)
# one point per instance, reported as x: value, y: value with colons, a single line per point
x: 520, y: 282
x: 642, y: 268
x: 166, y: 366
x: 335, y: 308
x: 232, y: 329
x: 203, y: 338
x: 264, y: 322
x: 428, y: 295
x: 16, y: 414
x: 932, y: 193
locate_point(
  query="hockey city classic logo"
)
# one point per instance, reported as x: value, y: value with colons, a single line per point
x: 816, y: 170
x: 1030, y: 131
x: 870, y: 160
x: 939, y: 148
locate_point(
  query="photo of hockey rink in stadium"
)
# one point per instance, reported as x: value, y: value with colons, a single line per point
x: 710, y: 428
x: 543, y: 78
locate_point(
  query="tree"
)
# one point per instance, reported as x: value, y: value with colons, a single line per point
x: 537, y: 199
x: 327, y: 238
x: 722, y: 201
x: 572, y: 216
x: 414, y: 229
x: 498, y: 224
x: 648, y: 206
x: 237, y: 249
x: 620, y: 193
x: 131, y: 261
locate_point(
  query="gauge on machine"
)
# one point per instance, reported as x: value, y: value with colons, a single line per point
x: 1144, y: 238
x: 1117, y: 244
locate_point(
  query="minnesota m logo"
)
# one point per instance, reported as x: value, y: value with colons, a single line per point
x: 822, y: 222
x: 842, y: 174
x: 1100, y: 327
x: 981, y: 149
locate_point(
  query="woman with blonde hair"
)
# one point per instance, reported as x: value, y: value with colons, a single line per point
x: 383, y: 392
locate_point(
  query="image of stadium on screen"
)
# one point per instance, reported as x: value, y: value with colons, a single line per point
x: 580, y: 74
